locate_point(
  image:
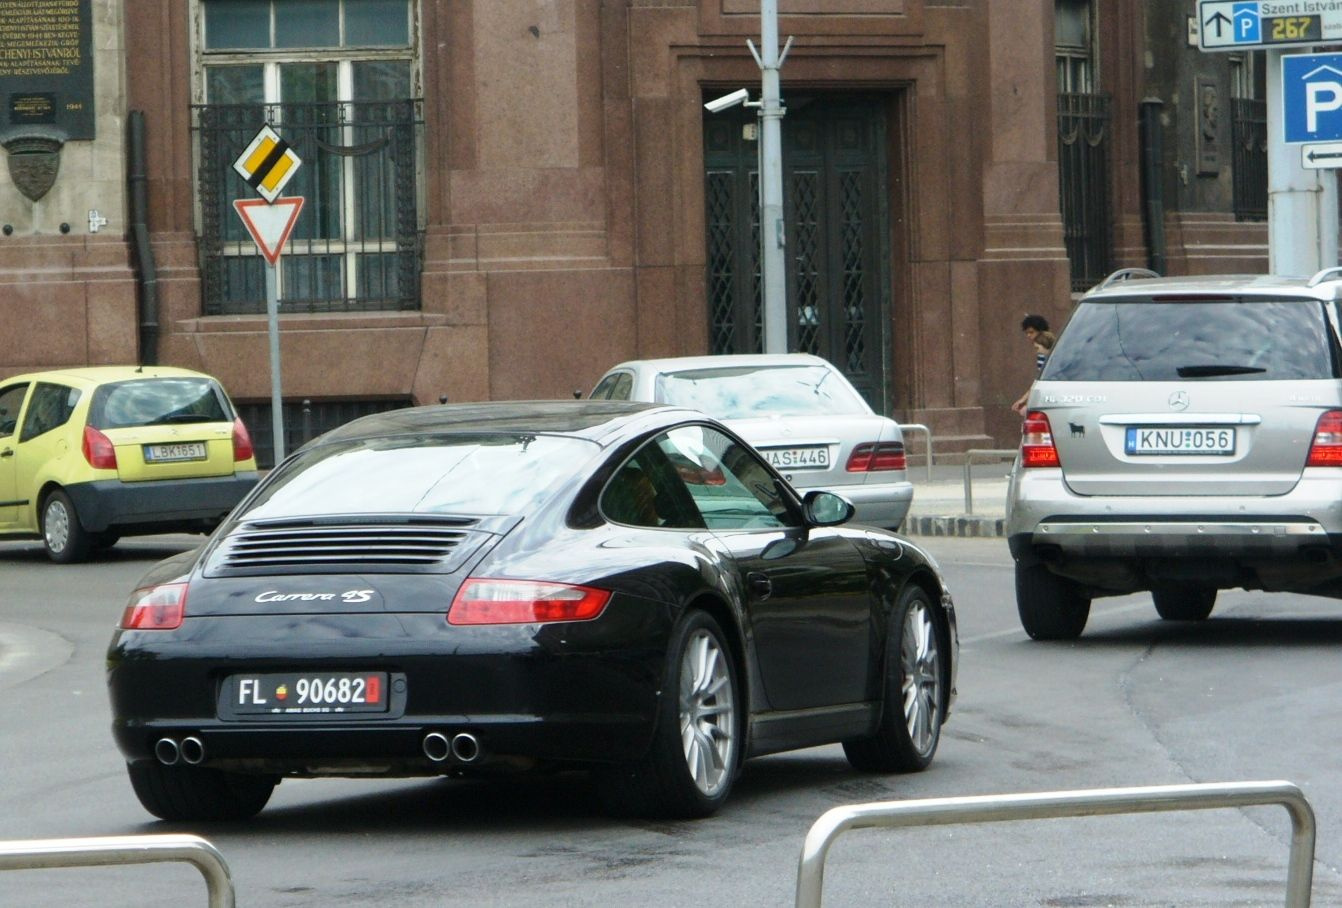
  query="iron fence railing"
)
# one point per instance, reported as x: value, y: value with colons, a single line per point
x: 356, y: 245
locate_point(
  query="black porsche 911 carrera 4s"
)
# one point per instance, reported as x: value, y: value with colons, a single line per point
x: 623, y: 588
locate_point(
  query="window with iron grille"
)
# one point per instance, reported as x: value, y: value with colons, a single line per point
x: 1248, y: 133
x: 337, y: 79
x: 303, y: 421
x: 1084, y: 137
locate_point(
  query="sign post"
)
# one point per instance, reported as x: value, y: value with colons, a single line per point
x: 267, y: 164
x: 1301, y: 100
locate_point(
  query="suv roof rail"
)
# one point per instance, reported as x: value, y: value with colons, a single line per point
x: 1125, y: 274
x: 1328, y: 274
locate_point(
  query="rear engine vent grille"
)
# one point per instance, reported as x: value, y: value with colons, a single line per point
x: 310, y: 546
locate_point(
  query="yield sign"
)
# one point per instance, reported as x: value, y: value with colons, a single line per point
x: 270, y: 223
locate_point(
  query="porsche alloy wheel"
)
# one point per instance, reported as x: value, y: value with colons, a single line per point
x: 696, y: 748
x: 707, y: 712
x: 909, y: 730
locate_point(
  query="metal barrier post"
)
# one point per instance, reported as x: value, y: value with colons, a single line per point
x: 1000, y: 453
x: 927, y: 436
x: 1051, y: 804
x: 107, y: 851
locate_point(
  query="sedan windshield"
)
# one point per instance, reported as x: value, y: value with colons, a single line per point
x: 439, y: 474
x: 744, y: 391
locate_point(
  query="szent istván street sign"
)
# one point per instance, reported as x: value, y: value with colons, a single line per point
x: 1256, y: 24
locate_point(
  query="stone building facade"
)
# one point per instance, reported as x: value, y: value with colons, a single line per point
x: 505, y: 197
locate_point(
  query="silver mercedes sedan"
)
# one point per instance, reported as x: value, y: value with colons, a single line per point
x: 797, y: 410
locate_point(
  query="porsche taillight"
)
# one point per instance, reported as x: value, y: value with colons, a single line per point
x: 1036, y: 442
x: 877, y: 456
x: 155, y: 608
x: 1326, y: 448
x: 485, y: 601
x: 242, y: 442
x: 98, y: 449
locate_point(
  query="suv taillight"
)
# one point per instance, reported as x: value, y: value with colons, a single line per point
x: 876, y: 456
x: 98, y: 449
x: 1326, y: 448
x: 242, y: 442
x: 1036, y: 442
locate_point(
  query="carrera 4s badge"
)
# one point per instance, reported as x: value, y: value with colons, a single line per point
x: 350, y: 596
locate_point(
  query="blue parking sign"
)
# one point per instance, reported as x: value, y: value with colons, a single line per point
x: 1311, y: 96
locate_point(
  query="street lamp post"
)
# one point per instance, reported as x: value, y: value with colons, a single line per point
x: 772, y: 233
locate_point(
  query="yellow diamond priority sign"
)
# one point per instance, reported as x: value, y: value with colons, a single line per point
x: 268, y: 163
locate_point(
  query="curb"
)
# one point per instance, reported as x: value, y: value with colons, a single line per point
x: 954, y: 525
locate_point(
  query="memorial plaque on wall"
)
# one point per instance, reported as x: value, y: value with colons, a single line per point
x: 46, y: 67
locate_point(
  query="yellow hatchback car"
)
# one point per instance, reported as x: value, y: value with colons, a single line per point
x: 90, y: 455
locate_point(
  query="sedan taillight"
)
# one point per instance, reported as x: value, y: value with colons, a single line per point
x: 1036, y: 442
x: 242, y: 442
x: 155, y: 608
x: 484, y: 601
x: 1326, y: 448
x: 877, y: 456
x: 98, y: 449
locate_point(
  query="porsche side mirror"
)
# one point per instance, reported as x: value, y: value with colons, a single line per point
x: 826, y: 509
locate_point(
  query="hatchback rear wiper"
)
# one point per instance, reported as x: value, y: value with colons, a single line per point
x: 1214, y: 370
x: 185, y: 417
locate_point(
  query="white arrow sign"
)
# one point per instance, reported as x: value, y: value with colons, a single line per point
x: 269, y: 223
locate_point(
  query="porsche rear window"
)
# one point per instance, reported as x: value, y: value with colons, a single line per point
x: 158, y: 402
x: 1201, y: 340
x: 506, y: 474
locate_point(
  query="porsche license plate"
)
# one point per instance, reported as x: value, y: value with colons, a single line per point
x: 192, y: 450
x: 304, y: 693
x: 1180, y: 440
x: 815, y: 457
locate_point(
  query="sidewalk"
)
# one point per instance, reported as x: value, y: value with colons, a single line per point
x: 939, y: 506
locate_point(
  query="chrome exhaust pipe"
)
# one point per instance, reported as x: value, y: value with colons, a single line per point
x: 193, y: 750
x: 436, y: 747
x: 465, y: 748
x: 167, y: 751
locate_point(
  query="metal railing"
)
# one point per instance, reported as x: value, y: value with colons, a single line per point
x: 906, y: 427
x: 1054, y: 804
x: 108, y: 851
x: 991, y: 453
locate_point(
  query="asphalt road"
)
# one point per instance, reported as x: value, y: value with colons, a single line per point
x: 1254, y: 693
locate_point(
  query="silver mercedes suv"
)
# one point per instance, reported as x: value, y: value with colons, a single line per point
x: 1185, y: 437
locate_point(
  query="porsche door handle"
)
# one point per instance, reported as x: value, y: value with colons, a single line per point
x: 759, y: 584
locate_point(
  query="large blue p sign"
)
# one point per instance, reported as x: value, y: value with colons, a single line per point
x: 1311, y: 88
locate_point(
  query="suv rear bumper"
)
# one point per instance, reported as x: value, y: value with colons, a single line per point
x: 1124, y: 544
x: 170, y: 503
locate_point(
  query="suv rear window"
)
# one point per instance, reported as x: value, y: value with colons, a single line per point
x: 156, y: 402
x: 1202, y: 340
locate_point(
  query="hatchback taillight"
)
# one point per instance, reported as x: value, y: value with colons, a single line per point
x: 98, y: 449
x: 1036, y: 442
x: 877, y: 456
x: 155, y: 608
x: 1326, y: 448
x: 484, y: 601
x: 242, y: 442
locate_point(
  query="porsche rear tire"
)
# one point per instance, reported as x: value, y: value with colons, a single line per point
x: 696, y: 748
x: 199, y: 793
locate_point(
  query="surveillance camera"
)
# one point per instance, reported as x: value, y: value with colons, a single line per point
x: 718, y: 105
